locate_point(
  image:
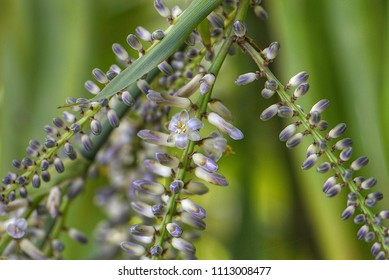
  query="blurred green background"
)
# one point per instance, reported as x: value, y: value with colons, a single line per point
x: 272, y: 209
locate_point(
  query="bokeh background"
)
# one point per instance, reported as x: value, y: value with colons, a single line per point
x: 272, y: 209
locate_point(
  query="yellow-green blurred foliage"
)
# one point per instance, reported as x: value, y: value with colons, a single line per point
x: 272, y: 209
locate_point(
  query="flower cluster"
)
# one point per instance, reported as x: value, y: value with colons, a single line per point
x: 330, y: 148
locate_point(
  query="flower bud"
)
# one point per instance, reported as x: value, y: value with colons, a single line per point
x: 240, y: 28
x: 213, y: 178
x: 269, y: 112
x: 224, y: 126
x: 297, y: 79
x: 174, y: 229
x: 271, y: 52
x: 133, y: 248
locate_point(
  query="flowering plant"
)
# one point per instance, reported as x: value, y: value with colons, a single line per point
x: 154, y: 138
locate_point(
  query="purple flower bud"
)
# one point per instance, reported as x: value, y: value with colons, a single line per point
x: 155, y: 137
x: 165, y: 68
x: 368, y: 183
x: 260, y: 12
x: 192, y: 221
x: 206, y: 83
x: 87, y: 142
x: 69, y: 117
x: 224, y: 126
x: 100, y: 76
x: 158, y: 35
x: 189, y: 88
x: 120, y: 52
x: 267, y: 93
x: 36, y: 181
x: 44, y: 164
x: 156, y: 250
x: 167, y: 160
x: 219, y: 108
x: 271, y: 52
x: 334, y: 190
x: 133, y: 248
x: 195, y: 188
x: 345, y: 155
x: 58, y: 164
x: 271, y: 85
x: 320, y: 106
x: 348, y: 212
x: 309, y: 162
x: 127, y: 98
x: 134, y: 42
x: 298, y: 79
x: 142, y: 230
x: 142, y: 208
x: 75, y: 127
x: 176, y: 12
x: 96, y: 127
x: 158, y: 210
x: 269, y: 112
x: 54, y: 201
x: 143, y: 33
x: 362, y: 232
x: 246, y: 79
x: 293, y: 141
x: 149, y: 187
x: 161, y: 8
x: 17, y: 228
x: 322, y: 125
x: 337, y: 131
x: 375, y: 248
x: 287, y: 132
x: 113, y: 118
x: 301, y: 90
x: 213, y: 178
x: 359, y: 219
x: 240, y: 28
x: 92, y: 87
x: 285, y: 112
x: 314, y: 119
x: 323, y: 167
x: 193, y: 209
x: 176, y: 186
x: 343, y: 144
x: 174, y: 229
x: 359, y: 163
x: 370, y: 236
x: 157, y: 168
x: 384, y: 214
x: 169, y: 100
x: 204, y: 162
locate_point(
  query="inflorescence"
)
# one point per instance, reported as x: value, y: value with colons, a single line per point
x: 162, y: 153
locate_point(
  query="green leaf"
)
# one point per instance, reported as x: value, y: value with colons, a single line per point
x: 193, y: 15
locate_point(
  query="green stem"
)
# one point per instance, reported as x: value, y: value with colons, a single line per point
x: 254, y: 52
x: 202, y: 105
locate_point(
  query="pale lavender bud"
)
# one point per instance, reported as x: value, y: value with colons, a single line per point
x: 155, y: 137
x: 322, y: 125
x: 368, y: 183
x: 17, y: 229
x: 271, y: 52
x: 183, y: 245
x: 142, y: 208
x: 287, y: 132
x: 69, y: 117
x: 75, y: 127
x: 157, y: 168
x: 269, y: 112
x: 92, y: 87
x: 375, y: 248
x: 271, y: 85
x: 218, y: 21
x: 149, y: 187
x: 134, y: 42
x: 96, y: 127
x: 384, y: 214
x: 206, y: 83
x: 381, y: 255
x: 176, y: 186
x: 337, y: 131
x: 204, y: 162
x: 348, y: 212
x: 161, y: 8
x: 158, y: 210
x: 189, y: 88
x: 359, y: 219
x: 329, y: 183
x: 36, y: 181
x: 285, y: 112
x: 343, y: 144
x: 174, y: 229
x: 165, y: 68
x: 44, y: 164
x: 169, y: 100
x: 58, y: 122
x: 120, y: 52
x: 195, y: 188
x: 320, y: 106
x: 293, y: 141
x: 323, y: 167
x: 301, y: 90
x: 87, y: 142
x: 143, y: 33
x: 219, y: 108
x: 298, y: 79
x: 113, y: 118
x: 127, y: 98
x: 133, y: 248
x: 260, y: 12
x: 100, y: 76
x: 309, y: 162
x: 213, y: 178
x: 167, y: 160
x: 246, y: 79
x: 347, y: 175
x: 58, y: 164
x: 314, y: 118
x: 370, y: 236
x: 372, y: 198
x: 176, y: 12
x: 75, y: 188
x: 345, y: 155
x: 224, y: 126
x: 359, y: 163
x: 334, y: 190
x: 267, y: 93
x: 192, y: 221
x: 143, y: 85
x: 142, y: 230
x: 362, y: 232
x: 158, y: 35
x: 240, y: 28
